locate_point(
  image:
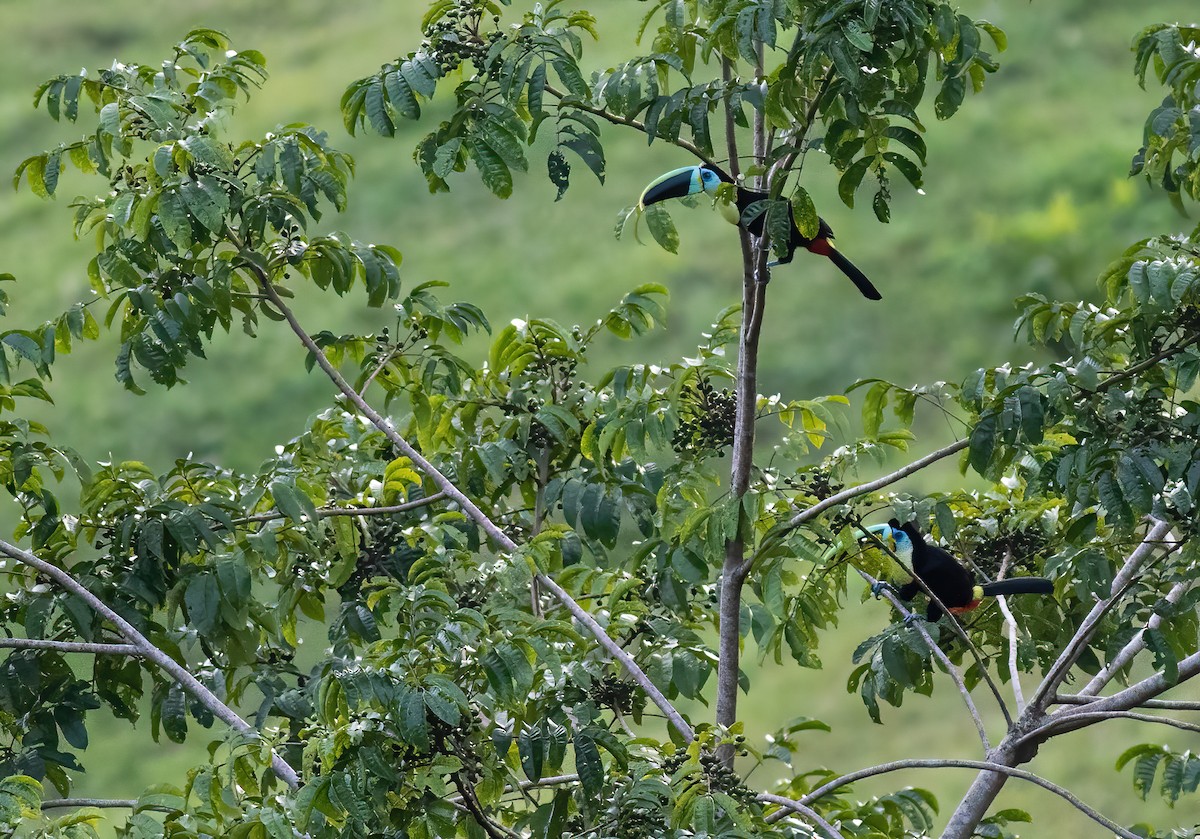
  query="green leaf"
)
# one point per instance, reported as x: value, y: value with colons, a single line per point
x: 173, y: 216
x: 662, y: 228
x: 851, y: 179
x: 206, y: 201
x: 804, y: 213
x: 983, y: 443
x: 588, y: 764
x: 496, y: 175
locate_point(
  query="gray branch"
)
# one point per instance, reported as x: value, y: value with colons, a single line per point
x: 147, y: 649
x: 69, y: 646
x: 987, y: 766
x: 941, y: 656
x: 1135, y: 646
x: 802, y: 810
x: 445, y: 485
x: 1164, y: 704
x: 862, y: 489
x: 103, y: 804
x: 357, y: 512
x: 1059, y: 670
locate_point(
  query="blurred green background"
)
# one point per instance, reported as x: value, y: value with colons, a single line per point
x: 1026, y: 191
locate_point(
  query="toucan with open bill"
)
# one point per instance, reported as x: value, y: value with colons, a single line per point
x: 694, y: 180
x: 953, y: 584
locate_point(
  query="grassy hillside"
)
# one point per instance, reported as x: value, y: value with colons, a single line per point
x: 1026, y: 190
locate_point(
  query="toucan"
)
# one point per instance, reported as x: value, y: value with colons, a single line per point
x: 953, y: 584
x: 694, y: 180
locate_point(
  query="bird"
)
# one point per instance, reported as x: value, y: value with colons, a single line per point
x: 694, y: 180
x: 953, y: 584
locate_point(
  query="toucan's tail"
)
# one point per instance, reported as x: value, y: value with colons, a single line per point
x: 857, y: 277
x: 1019, y: 585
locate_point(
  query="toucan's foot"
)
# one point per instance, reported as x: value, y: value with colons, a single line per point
x: 912, y: 618
x: 880, y: 586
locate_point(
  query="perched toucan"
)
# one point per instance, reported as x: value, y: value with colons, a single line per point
x: 694, y: 180
x: 953, y: 584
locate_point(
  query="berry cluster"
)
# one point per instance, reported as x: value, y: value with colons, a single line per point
x: 383, y: 553
x: 455, y: 37
x: 718, y: 776
x: 1024, y: 546
x: 613, y: 692
x: 706, y: 420
x: 641, y: 821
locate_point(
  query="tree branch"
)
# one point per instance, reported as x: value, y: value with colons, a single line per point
x: 1137, y: 695
x: 451, y: 491
x: 148, y: 651
x: 1135, y: 646
x: 1014, y: 673
x: 617, y: 119
x: 800, y: 809
x: 746, y: 389
x: 852, y: 493
x: 104, y: 803
x: 1061, y: 724
x: 941, y: 656
x: 1165, y: 704
x: 69, y: 646
x: 939, y: 763
x: 1060, y: 668
x: 330, y: 512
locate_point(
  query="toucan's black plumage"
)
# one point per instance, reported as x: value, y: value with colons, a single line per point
x: 692, y: 180
x: 953, y: 584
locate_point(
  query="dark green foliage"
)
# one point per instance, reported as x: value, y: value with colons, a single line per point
x: 446, y: 693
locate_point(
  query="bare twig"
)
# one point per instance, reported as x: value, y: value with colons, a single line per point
x: 147, y: 650
x: 802, y: 810
x: 854, y: 492
x: 617, y: 119
x: 1059, y: 724
x: 357, y: 512
x: 983, y: 765
x: 103, y: 804
x: 1164, y: 704
x: 1014, y: 673
x: 498, y: 536
x: 69, y: 646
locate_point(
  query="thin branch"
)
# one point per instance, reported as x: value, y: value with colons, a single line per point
x: 498, y: 536
x: 1014, y: 672
x: 330, y: 512
x: 729, y: 607
x: 383, y: 362
x: 941, y: 656
x: 955, y: 626
x: 1135, y: 646
x: 982, y: 765
x: 1141, y: 366
x: 852, y: 493
x: 1067, y: 722
x: 169, y: 665
x: 104, y: 804
x: 69, y: 646
x: 617, y: 119
x: 802, y: 810
x: 1058, y: 671
x: 1165, y: 704
x: 1137, y: 695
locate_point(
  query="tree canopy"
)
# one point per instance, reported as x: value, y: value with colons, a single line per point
x: 516, y: 568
